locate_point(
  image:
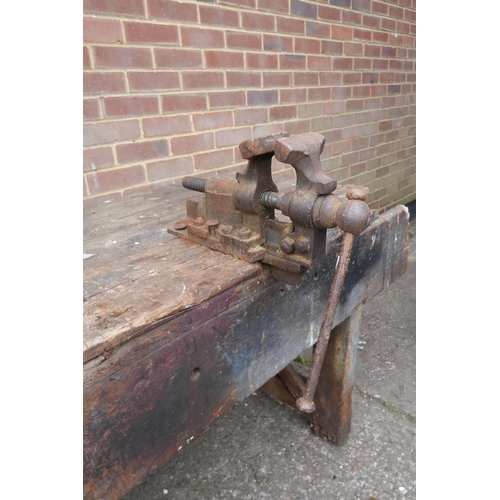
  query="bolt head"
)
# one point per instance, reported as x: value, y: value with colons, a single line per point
x: 212, y: 223
x: 199, y: 221
x: 287, y: 245
x: 180, y: 226
x: 244, y: 233
x: 303, y: 244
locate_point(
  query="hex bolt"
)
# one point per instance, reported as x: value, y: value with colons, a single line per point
x: 287, y: 245
x: 303, y: 244
x: 199, y: 221
x: 244, y: 233
x: 179, y: 226
x: 212, y: 225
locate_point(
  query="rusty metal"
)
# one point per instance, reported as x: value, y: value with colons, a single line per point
x: 305, y: 403
x: 238, y: 218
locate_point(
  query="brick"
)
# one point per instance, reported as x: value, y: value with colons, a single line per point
x: 172, y: 167
x: 133, y: 8
x: 331, y: 47
x: 351, y: 17
x: 318, y: 30
x: 292, y: 61
x: 330, y: 78
x: 363, y: 35
x: 250, y: 41
x: 310, y: 45
x: 109, y: 132
x: 97, y: 158
x: 86, y: 58
x: 178, y: 58
x: 333, y: 107
x: 362, y: 5
x: 378, y: 90
x: 361, y: 91
x: 288, y: 25
x: 319, y: 63
x: 351, y: 78
x: 192, y: 143
x: 173, y: 11
x: 175, y: 103
x: 116, y: 107
x: 232, y: 137
x: 362, y: 64
x: 151, y: 33
x: 380, y: 8
x: 214, y: 120
x: 261, y: 61
x: 380, y: 64
x: 370, y: 77
x: 388, y: 24
x: 220, y: 59
x: 309, y: 109
x: 319, y: 94
x: 240, y: 3
x: 321, y: 123
x: 276, y: 79
x: 341, y: 33
x: 354, y: 105
x: 293, y: 95
x: 394, y: 89
x: 278, y: 43
x: 298, y: 127
x: 306, y: 78
x: 341, y: 93
x: 160, y: 126
x: 353, y: 49
x: 264, y: 130
x: 386, y: 77
x: 250, y: 116
x: 342, y: 63
x: 259, y: 22
x: 278, y: 113
x: 262, y: 97
x: 281, y: 6
x: 343, y: 121
x: 102, y: 30
x: 113, y: 180
x: 202, y: 79
x: 200, y: 37
x: 122, y: 57
x: 372, y: 50
x: 227, y: 99
x: 99, y: 83
x: 303, y: 9
x: 218, y: 16
x: 213, y: 159
x: 351, y: 132
x: 329, y: 13
x: 242, y: 79
x: 396, y: 12
x: 384, y: 126
x: 389, y: 52
x: 349, y: 158
x: 380, y: 37
x: 91, y: 109
x: 341, y: 3
x: 138, y: 151
x: 141, y: 81
x: 402, y: 27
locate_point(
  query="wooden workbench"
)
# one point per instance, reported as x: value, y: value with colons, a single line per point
x: 175, y: 334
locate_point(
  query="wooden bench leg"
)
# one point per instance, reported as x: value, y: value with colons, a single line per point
x: 332, y: 418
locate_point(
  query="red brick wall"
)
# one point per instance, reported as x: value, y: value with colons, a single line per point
x: 172, y: 87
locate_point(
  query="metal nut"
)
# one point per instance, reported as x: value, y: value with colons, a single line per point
x: 244, y: 233
x: 287, y: 245
x: 180, y: 225
x: 303, y: 244
x: 199, y: 221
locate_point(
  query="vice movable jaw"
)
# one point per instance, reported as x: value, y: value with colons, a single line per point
x: 238, y: 217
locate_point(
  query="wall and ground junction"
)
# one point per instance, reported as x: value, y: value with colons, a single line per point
x: 172, y: 87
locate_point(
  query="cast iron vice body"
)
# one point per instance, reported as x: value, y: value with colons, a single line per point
x: 237, y: 217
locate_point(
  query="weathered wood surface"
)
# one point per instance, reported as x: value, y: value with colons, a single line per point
x: 161, y: 375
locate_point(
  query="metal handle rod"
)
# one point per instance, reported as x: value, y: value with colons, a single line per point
x: 305, y: 403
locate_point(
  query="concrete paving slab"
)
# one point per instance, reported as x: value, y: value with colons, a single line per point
x: 264, y: 450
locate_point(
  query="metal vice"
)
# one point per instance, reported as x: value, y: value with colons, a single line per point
x: 238, y: 218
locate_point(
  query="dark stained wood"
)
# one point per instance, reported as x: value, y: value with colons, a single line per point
x: 333, y: 398
x: 164, y: 362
